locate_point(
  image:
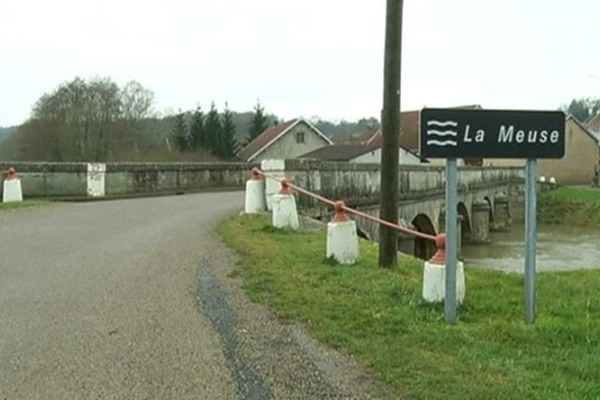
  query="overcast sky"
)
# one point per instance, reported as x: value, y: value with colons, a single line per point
x: 303, y: 58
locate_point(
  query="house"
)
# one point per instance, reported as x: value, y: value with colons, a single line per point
x: 581, y: 156
x: 362, y: 138
x: 287, y: 140
x: 358, y: 153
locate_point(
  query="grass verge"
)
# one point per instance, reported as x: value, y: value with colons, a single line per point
x: 377, y: 316
x: 570, y: 205
x: 22, y: 204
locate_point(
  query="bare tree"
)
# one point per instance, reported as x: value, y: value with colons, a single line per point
x: 87, y: 120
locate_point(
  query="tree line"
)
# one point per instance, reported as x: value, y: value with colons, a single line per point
x: 214, y: 131
x: 85, y: 120
x: 96, y: 120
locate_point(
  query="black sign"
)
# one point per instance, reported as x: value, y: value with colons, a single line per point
x: 462, y: 133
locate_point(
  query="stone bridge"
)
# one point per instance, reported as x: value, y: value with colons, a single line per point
x: 488, y: 196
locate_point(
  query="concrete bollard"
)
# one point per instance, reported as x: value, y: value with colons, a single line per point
x: 342, y: 239
x: 285, y: 213
x: 96, y: 174
x: 434, y: 276
x: 480, y: 220
x: 434, y: 282
x: 255, y: 194
x: 12, y: 187
x: 275, y: 169
x: 502, y: 215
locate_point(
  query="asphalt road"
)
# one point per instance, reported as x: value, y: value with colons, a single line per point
x: 131, y: 299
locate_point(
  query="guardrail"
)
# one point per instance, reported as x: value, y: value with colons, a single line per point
x: 341, y: 208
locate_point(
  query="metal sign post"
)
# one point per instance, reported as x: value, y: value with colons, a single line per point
x: 530, y: 238
x: 463, y: 133
x: 451, y: 242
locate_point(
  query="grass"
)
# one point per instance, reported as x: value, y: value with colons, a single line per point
x: 572, y: 205
x: 377, y: 316
x: 22, y: 204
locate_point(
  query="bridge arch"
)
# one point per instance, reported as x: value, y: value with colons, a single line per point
x: 465, y: 223
x: 491, y: 213
x: 423, y: 249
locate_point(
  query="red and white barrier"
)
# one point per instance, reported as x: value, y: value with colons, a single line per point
x: 285, y: 212
x: 434, y: 276
x: 342, y: 239
x: 255, y: 194
x: 11, y: 187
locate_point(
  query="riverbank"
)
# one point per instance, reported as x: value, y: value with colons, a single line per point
x: 570, y: 205
x: 377, y: 316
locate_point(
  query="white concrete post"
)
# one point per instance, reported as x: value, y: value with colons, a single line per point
x: 434, y: 275
x: 275, y: 169
x: 96, y: 179
x: 12, y: 188
x: 342, y: 240
x: 285, y: 212
x: 255, y: 194
x: 434, y: 282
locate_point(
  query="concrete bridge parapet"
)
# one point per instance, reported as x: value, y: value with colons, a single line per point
x: 72, y: 180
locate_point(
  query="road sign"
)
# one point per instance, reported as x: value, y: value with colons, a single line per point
x: 466, y: 133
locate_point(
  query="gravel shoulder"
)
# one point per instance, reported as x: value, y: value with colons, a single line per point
x: 285, y: 356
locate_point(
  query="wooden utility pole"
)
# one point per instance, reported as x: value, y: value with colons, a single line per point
x: 390, y: 122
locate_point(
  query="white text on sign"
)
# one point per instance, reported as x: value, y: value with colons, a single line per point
x: 508, y: 134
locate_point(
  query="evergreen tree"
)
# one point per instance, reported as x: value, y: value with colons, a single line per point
x: 180, y: 133
x: 228, y: 142
x: 259, y: 122
x: 197, y: 132
x: 212, y: 126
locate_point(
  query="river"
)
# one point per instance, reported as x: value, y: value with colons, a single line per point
x: 559, y: 248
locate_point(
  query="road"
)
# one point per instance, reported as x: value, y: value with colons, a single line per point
x: 132, y: 299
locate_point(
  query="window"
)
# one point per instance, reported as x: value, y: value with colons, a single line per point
x: 299, y: 137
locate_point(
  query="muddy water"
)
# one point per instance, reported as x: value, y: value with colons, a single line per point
x: 559, y: 247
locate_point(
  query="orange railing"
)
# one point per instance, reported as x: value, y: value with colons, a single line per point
x: 341, y: 208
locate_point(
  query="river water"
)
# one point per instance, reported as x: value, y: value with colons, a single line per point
x: 559, y: 248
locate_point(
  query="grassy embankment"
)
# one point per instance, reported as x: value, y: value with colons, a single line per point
x: 377, y: 315
x: 570, y: 205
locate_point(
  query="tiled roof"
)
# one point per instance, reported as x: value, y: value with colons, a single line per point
x: 264, y: 139
x: 409, y: 124
x: 340, y: 152
x: 364, y: 137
